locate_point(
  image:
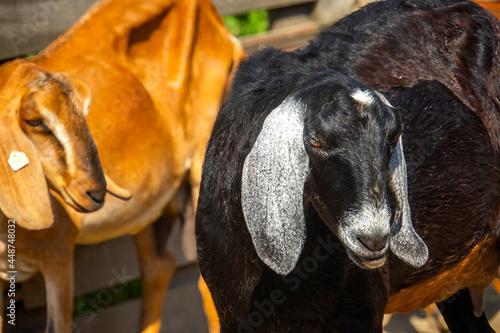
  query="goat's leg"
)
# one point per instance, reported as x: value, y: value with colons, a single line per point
x: 209, y: 307
x: 57, y: 270
x: 206, y: 297
x: 459, y: 315
x: 496, y: 284
x: 157, y: 270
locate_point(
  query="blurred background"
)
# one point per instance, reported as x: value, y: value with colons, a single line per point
x: 107, y: 283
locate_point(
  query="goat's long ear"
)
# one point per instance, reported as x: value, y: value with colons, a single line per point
x: 272, y: 188
x: 405, y: 243
x: 24, y: 194
x: 81, y: 95
x: 80, y: 92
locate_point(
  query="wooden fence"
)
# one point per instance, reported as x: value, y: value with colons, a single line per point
x: 28, y: 26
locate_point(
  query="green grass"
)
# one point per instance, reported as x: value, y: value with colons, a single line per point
x: 247, y: 24
x: 31, y: 55
x: 100, y: 299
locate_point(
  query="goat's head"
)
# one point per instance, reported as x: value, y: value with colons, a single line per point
x: 42, y: 121
x: 336, y: 144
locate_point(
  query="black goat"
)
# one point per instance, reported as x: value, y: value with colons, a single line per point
x: 313, y: 155
x: 437, y: 63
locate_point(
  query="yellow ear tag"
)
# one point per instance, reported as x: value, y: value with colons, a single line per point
x: 18, y: 160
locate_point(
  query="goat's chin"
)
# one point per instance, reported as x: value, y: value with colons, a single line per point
x: 365, y: 263
x: 82, y: 205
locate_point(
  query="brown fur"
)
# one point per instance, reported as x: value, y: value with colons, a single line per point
x: 157, y: 71
x: 476, y: 270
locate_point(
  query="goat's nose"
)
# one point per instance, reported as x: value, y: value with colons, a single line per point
x: 374, y: 243
x: 97, y: 194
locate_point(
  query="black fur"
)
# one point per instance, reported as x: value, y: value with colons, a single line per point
x: 459, y: 314
x: 437, y: 63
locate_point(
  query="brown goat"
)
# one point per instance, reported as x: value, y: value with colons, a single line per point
x: 157, y: 73
x: 39, y: 112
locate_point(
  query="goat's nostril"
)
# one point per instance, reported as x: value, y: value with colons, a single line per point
x: 97, y: 195
x: 374, y: 243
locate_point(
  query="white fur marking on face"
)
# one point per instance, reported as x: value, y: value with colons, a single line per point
x: 369, y: 218
x: 60, y: 133
x: 368, y: 221
x: 363, y: 96
x: 18, y: 160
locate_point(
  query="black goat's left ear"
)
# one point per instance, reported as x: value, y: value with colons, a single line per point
x: 272, y: 190
x: 405, y: 243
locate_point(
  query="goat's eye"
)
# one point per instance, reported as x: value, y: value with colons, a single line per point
x: 34, y: 122
x: 37, y: 124
x: 315, y: 143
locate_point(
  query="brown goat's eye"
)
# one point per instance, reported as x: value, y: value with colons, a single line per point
x: 37, y: 124
x: 34, y: 122
x: 315, y: 144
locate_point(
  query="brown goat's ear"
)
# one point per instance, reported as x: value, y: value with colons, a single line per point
x: 81, y: 95
x: 24, y: 194
x: 80, y: 92
x: 404, y: 242
x: 272, y: 190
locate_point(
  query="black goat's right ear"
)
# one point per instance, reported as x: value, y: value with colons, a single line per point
x: 274, y: 174
x: 404, y: 242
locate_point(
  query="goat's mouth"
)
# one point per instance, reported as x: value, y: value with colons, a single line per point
x: 372, y: 262
x: 83, y: 206
x: 361, y: 255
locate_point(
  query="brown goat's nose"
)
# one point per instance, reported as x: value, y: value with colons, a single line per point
x: 374, y: 243
x: 97, y: 195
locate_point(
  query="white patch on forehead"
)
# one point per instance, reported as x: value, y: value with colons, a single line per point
x: 363, y: 96
x: 383, y: 99
x: 61, y: 134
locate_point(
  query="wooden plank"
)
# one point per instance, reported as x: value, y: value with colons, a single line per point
x: 30, y: 25
x: 286, y: 38
x: 235, y: 7
x: 182, y: 312
x: 106, y: 264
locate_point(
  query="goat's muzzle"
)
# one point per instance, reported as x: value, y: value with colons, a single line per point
x: 85, y: 196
